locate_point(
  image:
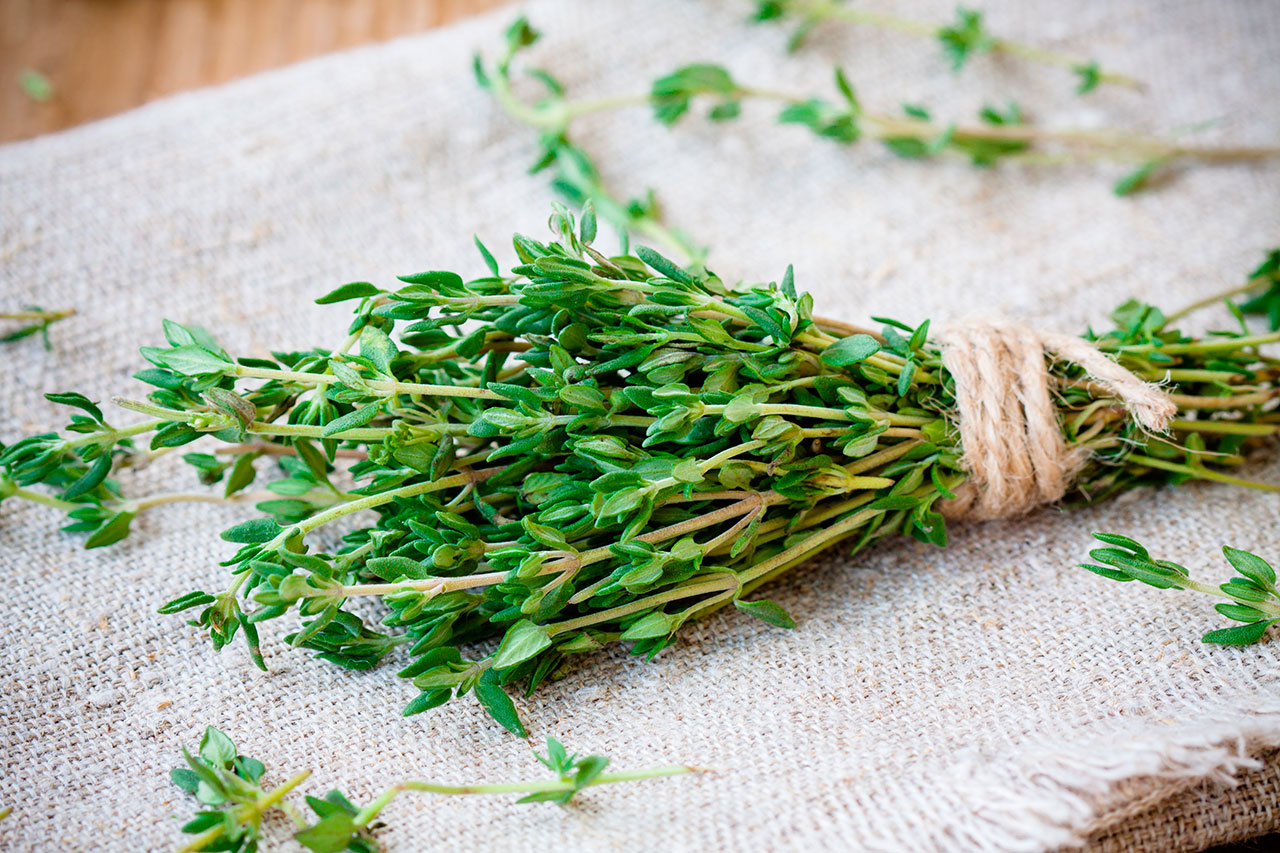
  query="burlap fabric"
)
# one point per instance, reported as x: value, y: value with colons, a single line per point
x: 986, y: 696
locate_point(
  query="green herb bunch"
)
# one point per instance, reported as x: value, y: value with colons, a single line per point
x: 1001, y: 133
x: 590, y: 450
x: 230, y: 785
x: 961, y: 40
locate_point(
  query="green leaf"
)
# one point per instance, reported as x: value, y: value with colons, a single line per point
x: 397, y: 567
x: 965, y: 38
x: 177, y: 334
x: 253, y: 532
x: 489, y: 260
x: 426, y: 700
x: 1240, y: 635
x: 1251, y: 566
x: 242, y: 473
x: 522, y: 641
x: 1137, y: 179
x: 1123, y: 542
x: 216, y: 748
x: 850, y: 350
x: 1090, y: 76
x: 185, y: 779
x: 333, y: 803
x: 741, y: 409
x: 1244, y: 590
x: 767, y: 610
x: 583, y: 397
x: 587, y: 224
x: 80, y: 401
x: 688, y: 471
x: 588, y: 769
x: 251, y: 641
x: 174, y: 435
x: 331, y: 835
x: 671, y: 95
x: 377, y: 346
x: 186, y: 602
x: 36, y: 86
x: 91, y: 478
x: 824, y: 119
x: 436, y: 281
x: 656, y: 624
x: 192, y: 360
x: 249, y: 768
x: 1266, y: 299
x: 520, y: 34
x: 352, y: 420
x: 663, y: 265
x: 1111, y: 574
x: 354, y: 290
x: 499, y: 705
x: 544, y: 534
x: 1240, y: 612
x: 846, y: 89
x: 115, y: 529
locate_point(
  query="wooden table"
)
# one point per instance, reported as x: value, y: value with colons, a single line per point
x: 106, y: 56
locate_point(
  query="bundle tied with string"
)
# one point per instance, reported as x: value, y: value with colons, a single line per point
x: 1009, y: 427
x: 596, y: 450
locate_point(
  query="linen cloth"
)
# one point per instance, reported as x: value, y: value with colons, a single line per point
x: 987, y: 696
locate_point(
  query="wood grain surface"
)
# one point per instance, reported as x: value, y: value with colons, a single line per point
x: 106, y: 56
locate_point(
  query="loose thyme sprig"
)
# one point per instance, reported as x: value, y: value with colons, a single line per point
x: 964, y: 38
x: 574, y: 173
x: 1263, y: 290
x: 230, y: 783
x: 1252, y: 597
x: 593, y: 449
x: 38, y: 321
x: 1000, y: 135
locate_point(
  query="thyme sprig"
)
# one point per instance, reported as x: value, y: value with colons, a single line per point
x: 574, y: 174
x: 37, y: 319
x: 962, y: 39
x: 589, y: 450
x: 230, y: 784
x: 1001, y: 134
x: 1251, y: 596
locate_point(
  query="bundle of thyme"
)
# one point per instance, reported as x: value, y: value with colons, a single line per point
x: 590, y: 450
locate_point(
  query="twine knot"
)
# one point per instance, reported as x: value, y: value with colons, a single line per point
x: 1009, y: 430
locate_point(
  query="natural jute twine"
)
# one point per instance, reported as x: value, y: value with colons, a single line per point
x: 1009, y: 430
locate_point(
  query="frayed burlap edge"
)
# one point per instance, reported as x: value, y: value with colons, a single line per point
x: 1195, y: 816
x: 1212, y: 783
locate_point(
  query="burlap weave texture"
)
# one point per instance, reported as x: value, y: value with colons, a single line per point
x: 986, y: 696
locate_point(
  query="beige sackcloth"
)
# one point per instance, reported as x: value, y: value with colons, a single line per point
x: 989, y: 696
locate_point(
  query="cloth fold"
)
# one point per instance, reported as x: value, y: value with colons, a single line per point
x: 984, y: 696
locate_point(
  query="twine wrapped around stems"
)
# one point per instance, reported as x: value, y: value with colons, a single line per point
x: 1009, y: 428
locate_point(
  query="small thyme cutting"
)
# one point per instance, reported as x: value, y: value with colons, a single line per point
x: 37, y: 321
x: 1252, y: 597
x: 961, y: 40
x: 590, y: 450
x: 230, y: 784
x: 1000, y: 134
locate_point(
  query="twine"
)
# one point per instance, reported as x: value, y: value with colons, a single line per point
x: 1009, y: 430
